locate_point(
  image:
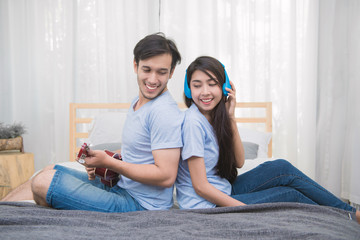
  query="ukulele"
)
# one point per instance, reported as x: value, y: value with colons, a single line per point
x: 107, y: 176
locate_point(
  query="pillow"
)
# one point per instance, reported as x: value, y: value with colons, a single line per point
x: 108, y: 146
x: 262, y: 139
x: 251, y: 150
x: 107, y: 128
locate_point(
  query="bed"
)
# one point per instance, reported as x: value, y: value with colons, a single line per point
x: 94, y: 123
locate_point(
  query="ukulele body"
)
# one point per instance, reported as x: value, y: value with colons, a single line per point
x: 107, y: 176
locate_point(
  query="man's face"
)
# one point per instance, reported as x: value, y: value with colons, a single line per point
x: 153, y: 75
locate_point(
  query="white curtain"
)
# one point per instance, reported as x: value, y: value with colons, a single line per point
x: 57, y: 52
x: 338, y: 100
x: 301, y: 55
x: 269, y: 49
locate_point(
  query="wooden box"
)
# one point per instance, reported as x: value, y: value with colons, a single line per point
x: 15, y: 169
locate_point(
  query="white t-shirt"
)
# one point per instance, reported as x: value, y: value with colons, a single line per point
x: 199, y: 140
x: 156, y: 125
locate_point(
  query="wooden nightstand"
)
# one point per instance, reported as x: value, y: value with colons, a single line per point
x: 15, y: 169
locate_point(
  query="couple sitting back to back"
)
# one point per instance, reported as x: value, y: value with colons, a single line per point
x: 157, y: 134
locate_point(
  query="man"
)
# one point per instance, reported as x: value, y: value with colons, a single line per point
x: 150, y: 148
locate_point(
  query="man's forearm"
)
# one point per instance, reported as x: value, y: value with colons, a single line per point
x: 162, y: 173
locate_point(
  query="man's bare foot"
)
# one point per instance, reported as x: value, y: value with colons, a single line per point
x: 22, y: 192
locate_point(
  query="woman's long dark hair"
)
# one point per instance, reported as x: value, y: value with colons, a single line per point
x: 220, y: 120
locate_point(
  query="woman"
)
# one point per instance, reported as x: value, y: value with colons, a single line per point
x: 207, y: 175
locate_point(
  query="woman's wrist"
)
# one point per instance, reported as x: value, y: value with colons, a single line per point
x: 232, y: 119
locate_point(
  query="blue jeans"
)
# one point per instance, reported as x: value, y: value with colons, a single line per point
x: 279, y: 181
x: 71, y: 190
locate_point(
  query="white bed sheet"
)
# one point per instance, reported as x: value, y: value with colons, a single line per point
x: 253, y: 163
x: 249, y: 164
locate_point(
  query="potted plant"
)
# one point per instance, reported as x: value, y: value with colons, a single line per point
x: 11, y: 137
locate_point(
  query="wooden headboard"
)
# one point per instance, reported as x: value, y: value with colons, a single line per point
x: 76, y: 120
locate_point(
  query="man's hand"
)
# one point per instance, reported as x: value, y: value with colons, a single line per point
x: 91, y: 173
x: 97, y: 158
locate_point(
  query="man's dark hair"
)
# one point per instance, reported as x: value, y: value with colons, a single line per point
x: 154, y: 45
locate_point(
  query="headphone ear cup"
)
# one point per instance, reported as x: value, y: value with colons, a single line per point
x: 226, y: 84
x: 187, y: 90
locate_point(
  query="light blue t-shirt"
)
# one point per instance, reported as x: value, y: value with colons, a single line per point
x: 156, y: 125
x: 199, y: 140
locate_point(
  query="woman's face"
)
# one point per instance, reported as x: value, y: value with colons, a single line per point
x: 205, y: 91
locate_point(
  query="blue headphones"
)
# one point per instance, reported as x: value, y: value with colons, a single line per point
x: 187, y: 90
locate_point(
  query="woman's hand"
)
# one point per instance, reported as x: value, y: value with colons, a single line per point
x: 230, y: 106
x: 231, y: 100
x: 205, y: 189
